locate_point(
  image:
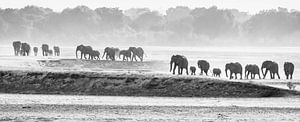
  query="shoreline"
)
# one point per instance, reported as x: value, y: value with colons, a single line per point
x: 130, y: 84
x: 143, y: 113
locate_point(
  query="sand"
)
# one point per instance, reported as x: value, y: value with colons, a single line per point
x: 237, y: 107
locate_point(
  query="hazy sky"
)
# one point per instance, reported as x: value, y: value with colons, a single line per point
x: 251, y: 6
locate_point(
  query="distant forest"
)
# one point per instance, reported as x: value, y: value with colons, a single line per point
x: 179, y: 26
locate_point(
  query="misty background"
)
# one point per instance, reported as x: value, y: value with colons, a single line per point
x: 178, y: 26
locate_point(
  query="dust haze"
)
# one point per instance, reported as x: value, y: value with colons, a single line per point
x: 178, y: 26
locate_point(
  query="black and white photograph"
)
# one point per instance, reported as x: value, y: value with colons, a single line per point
x: 150, y: 60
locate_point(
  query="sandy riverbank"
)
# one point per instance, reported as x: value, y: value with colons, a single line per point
x: 123, y: 84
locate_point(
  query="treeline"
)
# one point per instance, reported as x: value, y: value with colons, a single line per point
x: 138, y: 26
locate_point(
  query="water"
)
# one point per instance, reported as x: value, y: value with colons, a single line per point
x: 217, y: 56
x: 148, y: 101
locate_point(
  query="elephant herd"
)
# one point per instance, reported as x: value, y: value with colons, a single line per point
x: 234, y: 68
x: 110, y: 53
x: 24, y: 49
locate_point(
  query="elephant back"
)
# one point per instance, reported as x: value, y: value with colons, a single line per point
x: 267, y: 64
x: 25, y: 47
x: 203, y: 64
x: 216, y: 71
x: 182, y: 61
x: 274, y: 67
x: 56, y: 48
x: 17, y: 44
x: 288, y: 66
x: 238, y: 67
x: 35, y: 49
x: 253, y: 68
x: 45, y: 47
x: 140, y: 51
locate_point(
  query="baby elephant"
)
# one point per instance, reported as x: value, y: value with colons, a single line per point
x: 216, y: 72
x: 193, y: 70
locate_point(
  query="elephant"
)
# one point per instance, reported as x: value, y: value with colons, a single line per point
x: 252, y: 69
x: 126, y: 55
x: 234, y: 68
x: 25, y: 49
x: 216, y: 72
x: 35, y: 50
x: 56, y: 51
x: 17, y: 47
x: 203, y: 65
x: 288, y: 69
x: 84, y: 50
x: 50, y: 52
x: 193, y: 70
x: 139, y: 52
x: 45, y: 49
x: 270, y: 66
x: 180, y: 61
x: 95, y: 55
x: 110, y: 53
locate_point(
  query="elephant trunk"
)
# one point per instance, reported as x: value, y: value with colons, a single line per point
x: 103, y: 54
x: 171, y: 63
x: 226, y: 71
x: 262, y: 70
x: 76, y: 53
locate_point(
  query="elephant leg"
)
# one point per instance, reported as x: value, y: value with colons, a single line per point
x: 180, y: 71
x: 241, y: 75
x: 247, y: 75
x: 206, y: 73
x: 135, y: 58
x: 272, y: 75
x: 231, y: 75
x: 235, y: 74
x: 264, y: 74
x: 174, y: 69
x: 201, y: 72
x: 277, y: 75
x: 187, y: 71
x: 291, y: 77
